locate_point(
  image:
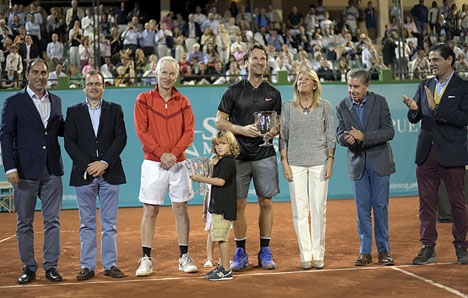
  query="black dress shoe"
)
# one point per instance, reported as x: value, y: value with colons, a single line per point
x: 52, y: 275
x: 85, y: 274
x: 27, y: 277
x: 114, y: 272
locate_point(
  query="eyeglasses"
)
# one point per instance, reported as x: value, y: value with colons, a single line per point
x: 97, y: 84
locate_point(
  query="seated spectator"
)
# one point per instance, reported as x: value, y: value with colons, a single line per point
x: 91, y: 65
x: 286, y: 53
x: 149, y: 77
x: 152, y: 58
x: 123, y: 78
x: 183, y: 63
x: 325, y: 72
x: 239, y: 55
x: 421, y: 66
x: 217, y: 74
x: 211, y: 56
x: 14, y: 60
x: 342, y: 69
x: 233, y: 75
x: 303, y: 40
x: 280, y: 65
x: 276, y: 39
x: 461, y: 65
x: 74, y: 76
x: 189, y: 78
x: 195, y: 52
x: 374, y: 69
x: 54, y: 75
x: 334, y: 49
x: 128, y: 66
x: 203, y: 78
x: 304, y: 59
x: 10, y: 79
x: 238, y: 41
x: 293, y: 71
x: 108, y: 69
x: 140, y: 62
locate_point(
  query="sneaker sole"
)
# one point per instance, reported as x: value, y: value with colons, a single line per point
x: 238, y: 269
x: 190, y: 270
x: 220, y: 279
x: 143, y: 273
x: 266, y: 266
x: 430, y: 260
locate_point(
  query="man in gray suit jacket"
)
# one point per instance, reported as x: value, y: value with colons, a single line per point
x: 365, y: 129
x: 441, y: 104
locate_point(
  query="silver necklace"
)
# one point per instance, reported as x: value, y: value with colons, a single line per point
x: 305, y: 110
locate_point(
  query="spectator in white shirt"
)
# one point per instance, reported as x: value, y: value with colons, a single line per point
x: 161, y: 41
x: 199, y: 16
x: 87, y: 24
x: 54, y: 51
x: 53, y: 76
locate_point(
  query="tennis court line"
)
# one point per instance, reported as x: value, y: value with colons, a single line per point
x: 246, y: 274
x: 431, y: 282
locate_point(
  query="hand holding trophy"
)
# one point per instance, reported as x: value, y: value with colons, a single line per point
x: 198, y: 166
x: 264, y: 122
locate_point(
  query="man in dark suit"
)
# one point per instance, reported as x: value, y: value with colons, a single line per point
x: 441, y: 104
x: 191, y: 32
x: 28, y: 51
x: 365, y: 129
x: 31, y: 124
x: 95, y: 136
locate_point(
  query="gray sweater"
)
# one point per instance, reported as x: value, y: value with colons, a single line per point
x: 307, y: 138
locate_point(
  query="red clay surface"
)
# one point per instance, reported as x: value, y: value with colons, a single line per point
x: 339, y: 278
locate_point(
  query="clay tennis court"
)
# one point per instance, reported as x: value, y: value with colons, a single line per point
x: 339, y: 278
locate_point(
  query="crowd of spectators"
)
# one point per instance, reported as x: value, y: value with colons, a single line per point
x: 209, y: 45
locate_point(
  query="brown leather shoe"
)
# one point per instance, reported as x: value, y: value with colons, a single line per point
x: 363, y: 260
x: 385, y: 259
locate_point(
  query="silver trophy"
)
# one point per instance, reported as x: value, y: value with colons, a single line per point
x: 264, y: 122
x: 201, y: 166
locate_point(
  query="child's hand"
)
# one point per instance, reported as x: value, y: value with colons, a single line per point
x: 195, y: 177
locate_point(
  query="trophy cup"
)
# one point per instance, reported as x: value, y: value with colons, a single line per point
x: 264, y: 121
x: 198, y: 165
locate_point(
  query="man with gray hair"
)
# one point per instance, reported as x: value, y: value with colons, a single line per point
x: 365, y: 129
x: 164, y: 141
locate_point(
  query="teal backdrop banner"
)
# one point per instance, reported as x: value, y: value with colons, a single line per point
x: 205, y: 102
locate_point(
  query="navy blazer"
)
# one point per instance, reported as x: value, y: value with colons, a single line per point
x: 82, y: 145
x: 186, y: 30
x: 26, y: 144
x: 378, y: 131
x: 446, y: 127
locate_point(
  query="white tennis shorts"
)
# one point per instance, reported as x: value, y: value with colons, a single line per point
x: 156, y: 182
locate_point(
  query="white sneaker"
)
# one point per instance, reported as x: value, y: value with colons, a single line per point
x: 186, y: 264
x: 146, y: 267
x: 208, y: 263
